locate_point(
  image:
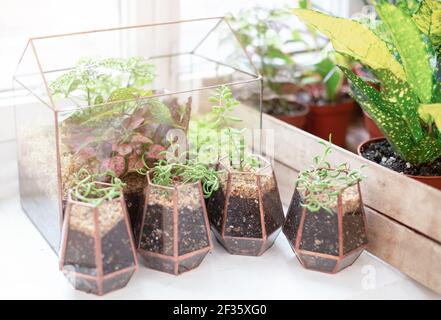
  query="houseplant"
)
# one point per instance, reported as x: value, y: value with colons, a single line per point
x: 265, y: 34
x: 97, y: 252
x: 325, y: 224
x: 405, y: 59
x: 245, y: 210
x: 123, y: 128
x: 174, y: 234
x: 330, y: 105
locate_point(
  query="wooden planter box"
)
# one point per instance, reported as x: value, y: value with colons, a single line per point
x: 404, y: 216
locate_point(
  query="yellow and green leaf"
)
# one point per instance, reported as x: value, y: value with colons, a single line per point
x: 414, y: 52
x: 428, y: 20
x: 431, y: 113
x: 353, y: 39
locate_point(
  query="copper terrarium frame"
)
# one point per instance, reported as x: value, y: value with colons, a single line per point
x: 342, y: 256
x: 33, y: 78
x: 100, y: 277
x: 175, y: 259
x: 267, y: 240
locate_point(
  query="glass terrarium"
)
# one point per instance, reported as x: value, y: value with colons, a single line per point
x: 97, y: 252
x: 109, y: 100
x: 246, y: 213
x: 327, y: 241
x: 173, y: 233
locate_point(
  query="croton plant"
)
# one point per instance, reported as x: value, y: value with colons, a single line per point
x: 122, y: 126
x: 403, y: 51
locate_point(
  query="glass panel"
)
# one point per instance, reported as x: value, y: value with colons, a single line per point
x: 354, y: 233
x: 116, y: 244
x: 318, y: 263
x: 117, y: 282
x: 243, y: 211
x: 272, y: 205
x: 216, y: 204
x: 191, y: 262
x: 292, y: 223
x: 243, y: 246
x: 192, y: 230
x: 80, y: 251
x: 320, y: 232
x: 157, y: 233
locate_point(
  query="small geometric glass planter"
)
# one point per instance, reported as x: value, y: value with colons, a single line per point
x: 325, y: 241
x: 97, y: 250
x: 246, y: 213
x: 174, y: 233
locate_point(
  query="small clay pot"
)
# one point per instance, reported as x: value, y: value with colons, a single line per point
x: 325, y: 241
x: 97, y: 249
x: 371, y: 126
x: 433, y: 181
x: 174, y: 233
x: 246, y: 213
x: 296, y: 117
x: 334, y: 119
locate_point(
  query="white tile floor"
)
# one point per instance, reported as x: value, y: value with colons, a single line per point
x: 29, y: 269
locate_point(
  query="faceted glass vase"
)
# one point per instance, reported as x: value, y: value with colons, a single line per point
x: 97, y: 253
x: 246, y: 213
x: 173, y: 233
x: 99, y: 121
x: 324, y: 241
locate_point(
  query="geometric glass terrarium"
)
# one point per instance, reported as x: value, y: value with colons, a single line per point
x: 107, y: 99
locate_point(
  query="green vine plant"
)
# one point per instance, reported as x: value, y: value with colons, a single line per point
x: 169, y: 174
x: 402, y: 49
x: 322, y: 183
x: 86, y: 187
x: 216, y: 134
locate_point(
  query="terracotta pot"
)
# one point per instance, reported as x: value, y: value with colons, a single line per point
x: 331, y: 119
x: 371, y: 126
x: 433, y: 181
x: 298, y: 119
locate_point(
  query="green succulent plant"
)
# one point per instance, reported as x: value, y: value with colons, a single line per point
x: 403, y: 51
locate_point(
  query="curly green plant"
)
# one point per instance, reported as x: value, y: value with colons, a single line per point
x: 168, y: 174
x: 403, y: 51
x: 321, y: 184
x: 87, y: 187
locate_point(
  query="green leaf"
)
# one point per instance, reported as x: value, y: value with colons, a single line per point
x: 352, y: 39
x: 409, y: 6
x: 399, y: 94
x: 431, y: 113
x: 428, y: 20
x: 122, y: 94
x: 391, y: 123
x: 413, y: 51
x: 332, y: 76
x: 160, y: 112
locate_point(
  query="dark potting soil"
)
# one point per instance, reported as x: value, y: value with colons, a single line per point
x: 273, y: 211
x: 192, y: 232
x: 80, y: 253
x: 115, y: 245
x: 354, y: 233
x: 320, y: 233
x: 215, y: 209
x: 134, y: 198
x: 382, y: 153
x: 282, y: 107
x: 157, y: 233
x: 116, y: 249
x: 292, y: 222
x: 243, y: 218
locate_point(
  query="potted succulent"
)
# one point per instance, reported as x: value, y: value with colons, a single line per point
x: 265, y: 35
x: 405, y: 60
x: 325, y: 224
x: 174, y: 233
x: 245, y: 210
x: 122, y: 129
x: 97, y: 253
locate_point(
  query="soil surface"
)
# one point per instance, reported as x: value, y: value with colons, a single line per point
x: 282, y: 107
x: 382, y: 153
